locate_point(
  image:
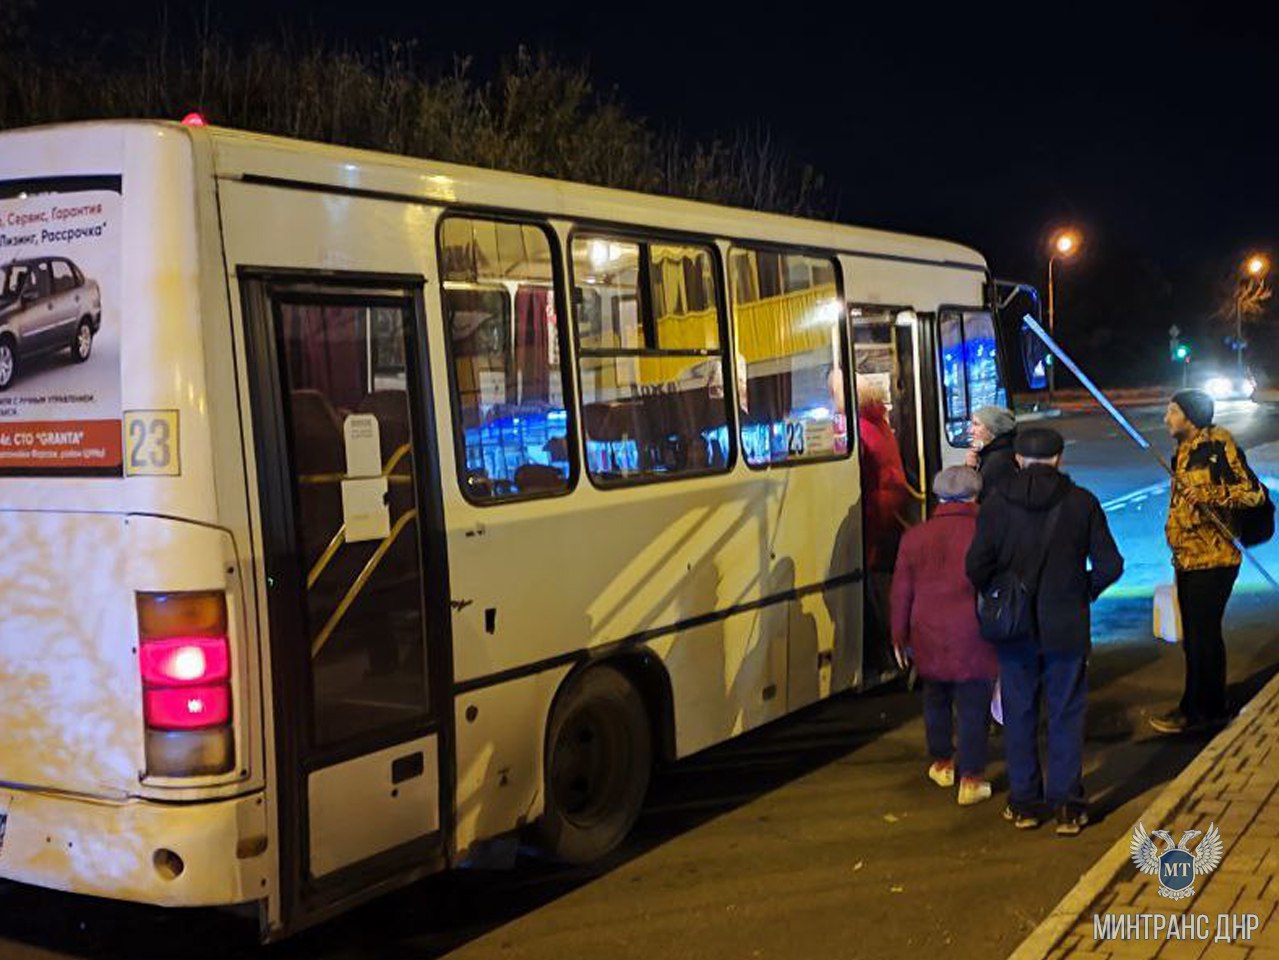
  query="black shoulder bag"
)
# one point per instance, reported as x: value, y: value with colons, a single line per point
x: 1006, y: 607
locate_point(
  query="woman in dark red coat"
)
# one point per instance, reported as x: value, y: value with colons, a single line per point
x: 934, y: 614
x: 884, y: 489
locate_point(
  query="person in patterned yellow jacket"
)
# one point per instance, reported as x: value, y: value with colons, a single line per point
x: 1208, y: 474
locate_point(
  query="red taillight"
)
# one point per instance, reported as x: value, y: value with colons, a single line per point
x: 187, y: 708
x: 184, y: 656
x: 193, y: 119
x: 185, y: 660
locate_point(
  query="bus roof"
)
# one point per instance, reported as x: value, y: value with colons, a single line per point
x: 265, y: 158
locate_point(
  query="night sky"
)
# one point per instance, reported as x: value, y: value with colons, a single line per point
x: 1150, y: 127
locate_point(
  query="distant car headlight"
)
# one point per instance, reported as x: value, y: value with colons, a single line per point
x: 1218, y: 387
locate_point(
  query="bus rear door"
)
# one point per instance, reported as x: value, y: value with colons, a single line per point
x: 356, y: 584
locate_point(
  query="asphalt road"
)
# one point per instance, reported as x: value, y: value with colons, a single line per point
x: 817, y: 836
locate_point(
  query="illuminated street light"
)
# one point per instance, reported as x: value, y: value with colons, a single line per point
x: 1064, y: 245
x: 1255, y: 268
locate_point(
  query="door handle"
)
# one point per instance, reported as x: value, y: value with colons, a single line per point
x: 406, y: 768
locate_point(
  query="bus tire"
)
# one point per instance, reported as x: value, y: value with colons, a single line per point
x: 599, y: 754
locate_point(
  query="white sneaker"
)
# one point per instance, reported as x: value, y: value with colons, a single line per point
x: 973, y: 790
x: 942, y: 774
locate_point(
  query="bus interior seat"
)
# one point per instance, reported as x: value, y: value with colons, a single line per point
x: 318, y: 452
x: 533, y: 477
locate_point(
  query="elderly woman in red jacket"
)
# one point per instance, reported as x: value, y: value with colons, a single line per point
x: 934, y: 614
x: 884, y: 487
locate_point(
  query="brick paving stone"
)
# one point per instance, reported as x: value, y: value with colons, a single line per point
x: 1217, y: 900
x: 1182, y: 950
x: 1251, y: 844
x: 1132, y: 949
x: 1262, y: 908
x: 1225, y: 951
x: 1129, y: 893
x: 1253, y: 889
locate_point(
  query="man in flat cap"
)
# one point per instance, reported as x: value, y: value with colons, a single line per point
x: 991, y: 435
x: 1045, y: 529
x: 1208, y: 472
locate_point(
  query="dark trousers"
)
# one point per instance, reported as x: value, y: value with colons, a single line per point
x: 1202, y: 597
x: 969, y: 702
x: 1028, y: 677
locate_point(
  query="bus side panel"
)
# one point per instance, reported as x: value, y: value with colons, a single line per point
x: 603, y: 566
x: 920, y: 286
x: 499, y: 755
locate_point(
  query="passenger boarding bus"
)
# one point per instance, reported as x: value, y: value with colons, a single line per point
x: 358, y: 510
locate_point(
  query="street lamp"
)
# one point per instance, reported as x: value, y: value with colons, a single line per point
x: 1064, y: 244
x: 1255, y: 268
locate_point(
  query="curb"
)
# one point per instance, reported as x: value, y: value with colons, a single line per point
x: 1063, y: 917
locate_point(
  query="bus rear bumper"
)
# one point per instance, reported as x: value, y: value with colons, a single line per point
x: 169, y: 854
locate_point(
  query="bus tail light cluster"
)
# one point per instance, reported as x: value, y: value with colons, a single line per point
x: 185, y: 659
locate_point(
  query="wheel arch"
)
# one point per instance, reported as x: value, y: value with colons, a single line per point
x: 648, y: 675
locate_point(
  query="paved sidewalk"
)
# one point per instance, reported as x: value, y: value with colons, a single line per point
x: 1234, y: 783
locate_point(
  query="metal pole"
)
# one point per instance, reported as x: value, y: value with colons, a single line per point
x: 1052, y: 329
x: 1238, y: 339
x: 1141, y: 441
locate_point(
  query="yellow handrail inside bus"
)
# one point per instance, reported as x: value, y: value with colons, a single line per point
x: 329, y: 552
x: 396, y: 457
x: 322, y: 637
x: 340, y: 537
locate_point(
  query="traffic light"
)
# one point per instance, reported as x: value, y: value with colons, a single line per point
x: 1181, y: 353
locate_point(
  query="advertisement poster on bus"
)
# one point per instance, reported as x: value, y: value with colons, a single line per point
x: 60, y: 287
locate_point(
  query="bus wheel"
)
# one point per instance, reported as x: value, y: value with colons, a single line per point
x: 599, y: 756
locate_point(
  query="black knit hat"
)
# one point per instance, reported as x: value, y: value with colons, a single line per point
x: 1039, y: 443
x: 1196, y: 405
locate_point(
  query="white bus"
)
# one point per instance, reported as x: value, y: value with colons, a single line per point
x: 376, y: 508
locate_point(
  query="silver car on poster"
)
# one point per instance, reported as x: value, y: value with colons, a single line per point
x: 46, y: 304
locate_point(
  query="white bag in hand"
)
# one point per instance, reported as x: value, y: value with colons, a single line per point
x: 1166, y: 622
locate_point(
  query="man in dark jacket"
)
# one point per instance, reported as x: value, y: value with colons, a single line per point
x: 1012, y: 535
x: 991, y: 434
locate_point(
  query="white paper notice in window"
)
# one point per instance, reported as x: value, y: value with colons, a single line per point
x: 365, y: 510
x: 363, y: 446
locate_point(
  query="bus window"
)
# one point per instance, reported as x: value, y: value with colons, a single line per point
x: 787, y: 310
x: 971, y: 377
x: 363, y: 597
x: 651, y: 359
x: 504, y: 344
